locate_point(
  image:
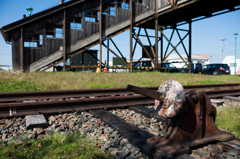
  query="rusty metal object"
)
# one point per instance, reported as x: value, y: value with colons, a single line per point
x: 149, y: 93
x: 193, y: 126
x: 192, y: 121
x: 173, y: 101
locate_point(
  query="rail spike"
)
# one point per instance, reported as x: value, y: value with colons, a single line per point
x: 192, y: 118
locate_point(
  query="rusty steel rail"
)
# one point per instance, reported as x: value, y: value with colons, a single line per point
x: 63, y: 94
x: 60, y: 106
x: 222, y: 92
x: 57, y: 106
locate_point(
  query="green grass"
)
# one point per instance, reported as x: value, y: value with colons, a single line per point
x: 18, y: 85
x: 228, y: 118
x: 207, y: 82
x: 59, y: 146
x: 36, y: 81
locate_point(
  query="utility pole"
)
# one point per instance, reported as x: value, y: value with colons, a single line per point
x: 235, y: 34
x: 222, y: 39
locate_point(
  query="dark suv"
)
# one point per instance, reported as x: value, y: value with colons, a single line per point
x: 216, y: 69
x: 169, y: 67
x: 195, y: 68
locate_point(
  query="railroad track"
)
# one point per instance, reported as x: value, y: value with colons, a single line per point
x: 97, y: 101
x: 45, y: 102
x: 92, y: 93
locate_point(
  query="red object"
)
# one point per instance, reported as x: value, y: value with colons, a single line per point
x: 105, y: 70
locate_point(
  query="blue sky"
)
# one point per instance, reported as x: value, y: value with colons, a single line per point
x: 205, y: 33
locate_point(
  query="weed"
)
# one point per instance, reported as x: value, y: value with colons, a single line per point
x: 72, y: 145
x: 228, y: 119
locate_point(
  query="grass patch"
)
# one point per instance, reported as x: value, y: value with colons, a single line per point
x: 10, y: 82
x: 18, y: 85
x: 70, y: 145
x: 207, y: 82
x: 228, y: 118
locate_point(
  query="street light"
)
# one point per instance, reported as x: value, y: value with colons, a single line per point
x: 29, y: 9
x: 235, y: 34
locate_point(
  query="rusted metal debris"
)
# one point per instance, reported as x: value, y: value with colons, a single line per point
x: 192, y: 120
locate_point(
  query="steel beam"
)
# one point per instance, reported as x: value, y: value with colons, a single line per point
x: 116, y: 55
x: 131, y: 31
x: 144, y: 47
x: 22, y: 50
x: 149, y: 42
x: 117, y: 49
x: 161, y: 47
x: 64, y: 39
x: 174, y: 47
x: 108, y: 53
x: 100, y: 35
x: 136, y: 42
x: 53, y: 65
x: 148, y: 37
x: 156, y: 37
x: 190, y: 47
x: 168, y: 43
x: 182, y: 42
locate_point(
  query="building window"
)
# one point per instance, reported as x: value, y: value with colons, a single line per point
x: 125, y: 6
x: 31, y: 40
x: 30, y: 44
x: 58, y: 32
x: 76, y: 24
x: 40, y: 40
x: 112, y: 11
x: 50, y: 31
x: 108, y: 9
x: 49, y: 36
x: 90, y: 15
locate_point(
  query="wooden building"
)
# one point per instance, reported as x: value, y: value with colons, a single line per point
x: 50, y: 37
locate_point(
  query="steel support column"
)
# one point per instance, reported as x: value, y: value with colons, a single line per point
x: 64, y: 39
x: 22, y: 51
x: 131, y: 31
x: 108, y: 53
x: 190, y: 47
x: 100, y: 34
x: 161, y: 48
x: 156, y: 38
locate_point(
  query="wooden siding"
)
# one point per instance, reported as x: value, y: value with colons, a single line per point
x: 16, y: 47
x: 52, y: 45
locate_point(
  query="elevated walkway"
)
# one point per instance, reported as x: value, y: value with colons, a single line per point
x: 170, y: 13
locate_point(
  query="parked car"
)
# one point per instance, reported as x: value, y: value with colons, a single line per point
x: 143, y: 65
x: 216, y: 69
x: 168, y: 67
x: 195, y: 68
